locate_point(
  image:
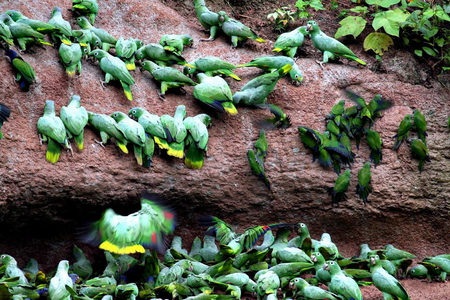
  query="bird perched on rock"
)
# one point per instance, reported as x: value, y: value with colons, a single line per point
x: 207, y: 18
x: 289, y: 42
x: 71, y: 57
x: 65, y: 29
x: 168, y: 76
x: 215, y: 92
x: 330, y: 47
x: 82, y: 266
x: 159, y: 55
x: 75, y: 117
x: 130, y: 234
x: 341, y: 284
x: 175, y: 42
x: 53, y: 131
x: 364, y: 187
x: 420, y: 125
x: 106, y: 39
x: 11, y: 269
x: 255, y: 91
x: 37, y: 25
x: 24, y: 72
x: 419, y: 151
x: 57, y: 287
x: 175, y: 131
x: 196, y: 141
x: 279, y: 119
x: 340, y: 187
x: 125, y: 50
x: 257, y: 166
x: 403, y: 131
x: 115, y: 69
x: 272, y: 63
x: 88, y: 8
x: 236, y: 30
x: 375, y: 144
x: 303, y: 288
x: 211, y: 66
x: 5, y: 112
x: 108, y: 128
x: 152, y: 125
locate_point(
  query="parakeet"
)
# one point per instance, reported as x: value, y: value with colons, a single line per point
x: 375, y: 144
x: 340, y: 187
x: 267, y: 282
x: 419, y: 151
x: 152, y: 125
x: 115, y: 68
x: 176, y: 42
x: 168, y: 76
x: 257, y: 166
x: 5, y: 112
x: 108, y: 128
x: 340, y: 283
x: 236, y: 30
x: 403, y: 131
x: 386, y: 283
x: 11, y: 269
x: 57, y: 20
x: 71, y: 58
x: 87, y: 8
x: 159, y: 55
x: 130, y: 234
x: 37, y: 25
x: 53, y: 132
x: 364, y: 186
x: 207, y: 18
x: 330, y: 47
x: 57, y: 287
x: 261, y: 145
x: 107, y: 40
x: 23, y: 34
x: 255, y: 91
x: 420, y: 125
x: 125, y: 50
x: 289, y: 42
x: 303, y: 288
x: 272, y: 63
x: 326, y: 247
x: 196, y: 142
x: 215, y: 92
x: 212, y: 66
x: 5, y: 33
x: 135, y: 133
x: 175, y: 131
x: 280, y: 118
x: 82, y: 266
x: 75, y: 117
x: 24, y: 72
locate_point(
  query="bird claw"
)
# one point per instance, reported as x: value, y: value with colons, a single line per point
x: 320, y: 63
x: 100, y: 143
x: 103, y: 84
x: 162, y: 96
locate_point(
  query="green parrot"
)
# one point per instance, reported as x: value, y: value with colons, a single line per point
x: 53, y: 132
x: 326, y: 247
x: 386, y: 283
x: 261, y: 144
x: 223, y: 232
x: 5, y: 32
x: 292, y: 254
x: 279, y: 119
x: 12, y: 270
x: 322, y: 275
x: 211, y: 66
x: 31, y: 269
x: 336, y: 112
x: 130, y: 234
x: 157, y: 53
x: 87, y: 40
x: 175, y: 42
x: 57, y: 286
x: 403, y: 131
x: 125, y: 50
x: 82, y: 266
x: 375, y: 144
x: 340, y: 187
x: 419, y: 150
x: 57, y: 20
x: 342, y: 284
x: 291, y: 269
x: 420, y: 125
x: 272, y: 63
x: 289, y: 42
x: 236, y: 30
x: 196, y: 141
x: 5, y: 112
x: 143, y: 146
x: 207, y: 18
x: 393, y: 253
x: 108, y: 128
x: 364, y: 187
x: 267, y: 282
x: 127, y: 291
x: 75, y: 117
x: 168, y: 76
x: 71, y: 58
x: 303, y: 288
x: 21, y: 33
x: 115, y: 68
x: 333, y: 129
x: 87, y: 8
x: 176, y: 131
x: 330, y: 47
x: 209, y: 249
x: 107, y: 40
x: 257, y: 166
x: 439, y: 262
x: 195, y: 249
x: 215, y: 92
x: 37, y: 25
x: 418, y: 271
x: 256, y: 90
x: 24, y: 72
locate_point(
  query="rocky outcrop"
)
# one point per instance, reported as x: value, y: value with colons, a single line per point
x: 42, y: 204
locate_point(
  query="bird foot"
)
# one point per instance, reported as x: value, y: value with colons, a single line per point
x: 207, y: 40
x: 162, y: 96
x: 320, y: 63
x: 100, y: 143
x: 103, y: 84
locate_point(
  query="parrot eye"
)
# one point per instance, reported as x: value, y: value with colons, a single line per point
x: 133, y: 112
x: 331, y: 263
x: 296, y: 280
x: 78, y: 19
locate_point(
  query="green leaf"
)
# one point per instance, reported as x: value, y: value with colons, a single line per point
x: 301, y: 5
x: 351, y: 25
x: 390, y: 21
x: 360, y: 10
x: 378, y: 42
x: 316, y: 4
x: 441, y: 14
x: 418, y: 52
x: 382, y: 3
x: 429, y: 51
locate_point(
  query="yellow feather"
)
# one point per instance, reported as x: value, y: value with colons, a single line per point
x: 108, y: 246
x: 260, y: 40
x: 193, y: 164
x: 52, y: 157
x: 122, y: 147
x: 231, y: 110
x: 128, y: 95
x: 277, y: 50
x: 130, y: 66
x: 161, y: 143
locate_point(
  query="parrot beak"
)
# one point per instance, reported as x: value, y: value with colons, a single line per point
x: 291, y: 285
x: 325, y: 267
x: 372, y: 260
x: 308, y: 27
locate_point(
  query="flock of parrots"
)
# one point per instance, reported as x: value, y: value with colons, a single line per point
x: 297, y: 268
x: 224, y: 264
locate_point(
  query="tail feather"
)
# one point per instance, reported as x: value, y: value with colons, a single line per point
x: 79, y: 140
x: 176, y: 149
x: 194, y: 157
x: 53, y: 151
x: 127, y: 90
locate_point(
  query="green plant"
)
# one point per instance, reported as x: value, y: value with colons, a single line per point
x: 303, y: 5
x: 281, y: 17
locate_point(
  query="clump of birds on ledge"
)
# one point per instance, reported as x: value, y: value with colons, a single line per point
x: 223, y: 264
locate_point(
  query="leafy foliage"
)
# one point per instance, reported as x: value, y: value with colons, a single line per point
x: 281, y: 17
